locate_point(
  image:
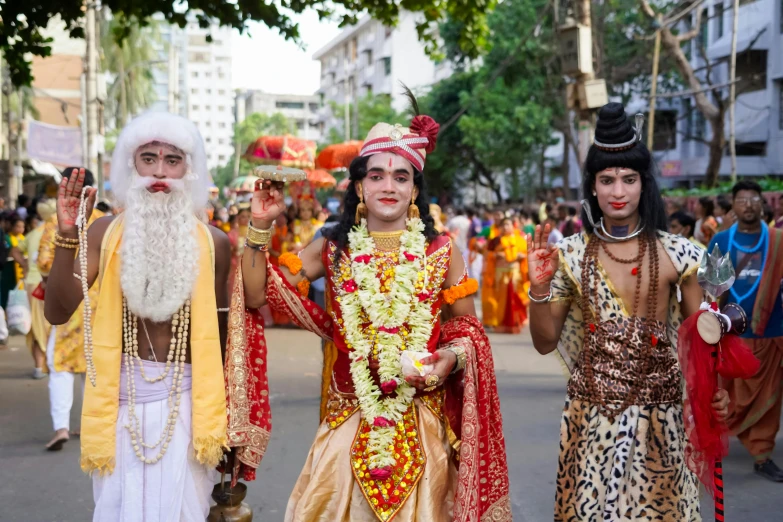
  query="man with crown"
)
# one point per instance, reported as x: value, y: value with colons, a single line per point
x: 610, y: 300
x: 154, y: 420
x: 411, y: 426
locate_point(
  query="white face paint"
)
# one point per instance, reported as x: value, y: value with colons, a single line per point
x: 388, y: 186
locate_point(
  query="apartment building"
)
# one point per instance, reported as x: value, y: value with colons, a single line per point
x: 302, y: 110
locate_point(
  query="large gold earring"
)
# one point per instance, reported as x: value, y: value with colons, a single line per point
x: 413, y: 210
x: 361, y: 208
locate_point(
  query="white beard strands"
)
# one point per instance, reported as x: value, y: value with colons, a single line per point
x: 159, y: 252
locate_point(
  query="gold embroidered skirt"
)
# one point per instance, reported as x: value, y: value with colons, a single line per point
x: 326, y: 490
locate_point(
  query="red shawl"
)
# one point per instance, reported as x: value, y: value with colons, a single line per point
x: 701, y: 363
x: 472, y: 405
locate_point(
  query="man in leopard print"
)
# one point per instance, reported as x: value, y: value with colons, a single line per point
x: 609, y: 301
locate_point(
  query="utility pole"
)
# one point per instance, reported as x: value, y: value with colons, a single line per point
x: 654, y: 86
x: 91, y: 73
x: 733, y: 93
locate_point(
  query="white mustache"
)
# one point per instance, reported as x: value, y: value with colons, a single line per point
x: 141, y: 182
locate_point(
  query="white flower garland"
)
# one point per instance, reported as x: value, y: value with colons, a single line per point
x: 387, y: 313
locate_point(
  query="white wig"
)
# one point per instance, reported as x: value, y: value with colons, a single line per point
x: 166, y: 128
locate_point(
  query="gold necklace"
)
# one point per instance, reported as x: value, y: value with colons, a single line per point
x: 387, y: 241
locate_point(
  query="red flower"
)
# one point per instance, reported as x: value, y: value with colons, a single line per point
x: 381, y: 473
x: 592, y: 327
x: 423, y: 296
x: 387, y: 387
x: 634, y: 270
x: 409, y: 256
x: 428, y: 128
x: 366, y: 258
x: 383, y: 422
x: 386, y: 329
x: 350, y: 286
x: 654, y: 340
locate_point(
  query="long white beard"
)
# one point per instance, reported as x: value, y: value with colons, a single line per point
x: 159, y: 252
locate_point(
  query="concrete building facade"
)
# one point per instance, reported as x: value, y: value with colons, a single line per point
x: 302, y: 110
x: 195, y: 82
x: 370, y: 58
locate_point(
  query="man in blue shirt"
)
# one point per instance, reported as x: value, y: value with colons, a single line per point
x: 757, y: 254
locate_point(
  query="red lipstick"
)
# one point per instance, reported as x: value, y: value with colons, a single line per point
x: 388, y: 201
x: 618, y: 204
x: 159, y: 186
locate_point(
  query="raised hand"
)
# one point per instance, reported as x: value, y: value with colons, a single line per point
x: 267, y: 203
x: 68, y: 201
x: 542, y: 260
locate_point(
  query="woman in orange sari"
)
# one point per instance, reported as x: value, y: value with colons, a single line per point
x: 511, y: 278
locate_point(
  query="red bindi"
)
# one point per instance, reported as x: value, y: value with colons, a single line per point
x: 390, y: 162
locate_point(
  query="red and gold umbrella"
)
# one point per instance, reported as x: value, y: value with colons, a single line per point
x: 339, y: 155
x: 288, y: 151
x: 320, y: 178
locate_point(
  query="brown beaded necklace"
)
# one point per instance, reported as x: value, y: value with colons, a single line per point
x: 595, y: 334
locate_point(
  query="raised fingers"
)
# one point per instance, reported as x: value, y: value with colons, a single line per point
x: 77, y: 188
x: 71, y: 184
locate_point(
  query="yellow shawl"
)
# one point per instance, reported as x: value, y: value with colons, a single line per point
x: 101, y: 403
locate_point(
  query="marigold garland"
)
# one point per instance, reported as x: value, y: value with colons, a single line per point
x: 291, y: 262
x: 455, y: 293
x: 303, y: 286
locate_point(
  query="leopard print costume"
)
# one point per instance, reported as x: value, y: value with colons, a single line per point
x: 632, y: 468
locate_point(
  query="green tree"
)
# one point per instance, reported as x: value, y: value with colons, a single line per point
x: 246, y: 132
x: 23, y: 20
x: 130, y: 60
x: 371, y: 110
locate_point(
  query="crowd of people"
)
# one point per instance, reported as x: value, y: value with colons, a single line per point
x: 166, y: 319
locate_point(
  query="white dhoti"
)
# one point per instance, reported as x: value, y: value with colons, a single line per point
x: 175, y: 489
x: 60, y: 389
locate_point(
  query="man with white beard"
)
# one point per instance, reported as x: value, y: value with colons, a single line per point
x: 154, y: 417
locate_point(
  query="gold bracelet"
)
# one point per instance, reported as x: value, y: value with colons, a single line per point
x: 61, y: 239
x: 258, y: 237
x: 69, y: 246
x: 462, y: 357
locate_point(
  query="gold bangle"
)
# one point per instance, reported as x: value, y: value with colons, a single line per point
x: 61, y: 239
x: 258, y: 237
x: 462, y: 357
x: 69, y: 246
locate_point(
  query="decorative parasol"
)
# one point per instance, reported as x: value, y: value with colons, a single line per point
x: 339, y: 155
x: 288, y: 151
x: 320, y: 178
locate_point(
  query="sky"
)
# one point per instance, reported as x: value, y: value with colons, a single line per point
x: 262, y: 59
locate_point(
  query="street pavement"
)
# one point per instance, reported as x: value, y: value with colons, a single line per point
x: 36, y: 486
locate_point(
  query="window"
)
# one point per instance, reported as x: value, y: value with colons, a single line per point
x: 313, y: 107
x: 194, y: 91
x: 752, y: 148
x: 700, y: 124
x: 221, y: 75
x: 199, y: 57
x: 222, y: 125
x: 387, y: 32
x: 197, y: 39
x: 387, y: 66
x: 208, y: 107
x: 194, y: 108
x: 752, y: 70
x: 222, y: 158
x: 194, y: 74
x: 704, y: 30
x: 719, y: 19
x: 289, y: 105
x: 207, y: 74
x: 207, y: 123
x: 208, y: 140
x: 221, y: 92
x: 221, y: 141
x: 665, y: 135
x: 221, y: 108
x: 300, y: 124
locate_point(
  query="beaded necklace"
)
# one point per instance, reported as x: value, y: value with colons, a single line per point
x: 596, y: 333
x: 763, y: 245
x: 175, y: 359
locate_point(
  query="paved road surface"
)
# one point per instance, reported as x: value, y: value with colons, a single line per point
x: 36, y: 486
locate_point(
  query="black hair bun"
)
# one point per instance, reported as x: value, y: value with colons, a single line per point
x: 613, y: 126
